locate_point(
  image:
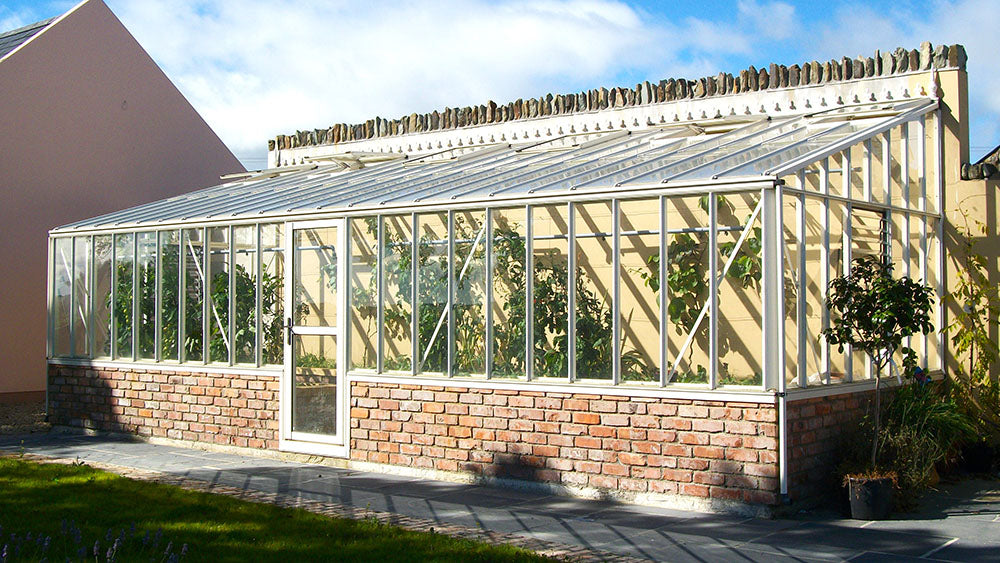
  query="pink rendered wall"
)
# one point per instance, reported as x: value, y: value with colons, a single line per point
x: 88, y: 124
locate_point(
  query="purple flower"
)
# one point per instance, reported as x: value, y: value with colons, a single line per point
x: 97, y: 548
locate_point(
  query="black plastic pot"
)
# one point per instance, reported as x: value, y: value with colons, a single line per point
x: 871, y: 499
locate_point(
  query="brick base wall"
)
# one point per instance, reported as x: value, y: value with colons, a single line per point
x: 705, y: 449
x: 815, y: 430
x: 232, y: 410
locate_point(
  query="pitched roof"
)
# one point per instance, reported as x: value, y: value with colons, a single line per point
x: 10, y: 40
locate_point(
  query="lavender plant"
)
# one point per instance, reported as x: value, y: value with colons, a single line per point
x: 69, y: 544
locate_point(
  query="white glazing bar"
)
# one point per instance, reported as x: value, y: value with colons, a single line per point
x: 802, y: 319
x: 824, y: 273
x: 181, y: 297
x: 50, y: 268
x: 451, y: 291
x: 886, y: 141
x: 939, y: 274
x: 571, y: 290
x: 713, y: 290
x: 113, y: 333
x: 206, y: 296
x: 380, y: 296
x: 664, y: 247
x: 489, y: 292
x: 71, y: 275
x: 846, y: 173
x: 904, y: 164
x: 616, y: 266
x: 231, y: 302
x: 135, y: 296
x: 923, y: 279
x: 158, y: 330
x: 921, y: 165
x: 866, y: 170
x: 773, y: 341
x: 529, y: 292
x: 848, y: 355
x: 414, y: 293
x: 258, y: 298
x: 92, y: 290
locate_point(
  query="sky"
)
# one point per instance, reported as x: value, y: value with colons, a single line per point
x: 258, y: 68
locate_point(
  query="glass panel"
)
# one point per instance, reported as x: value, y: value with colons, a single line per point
x: 934, y: 279
x: 857, y: 171
x: 509, y: 283
x: 639, y: 293
x: 740, y: 304
x: 314, y: 388
x: 81, y: 294
x: 470, y: 292
x: 877, y: 170
x: 838, y: 216
x: 550, y: 255
x: 147, y: 295
x: 433, y: 293
x: 397, y: 260
x: 315, y: 276
x: 194, y: 294
x: 272, y: 290
x: 815, y: 293
x: 687, y: 289
x: 124, y: 261
x: 790, y: 275
x: 245, y: 303
x: 62, y: 291
x: 594, y: 283
x: 218, y: 290
x: 169, y: 294
x: 364, y: 292
x: 102, y: 296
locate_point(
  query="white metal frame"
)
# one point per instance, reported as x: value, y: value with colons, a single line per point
x: 304, y: 442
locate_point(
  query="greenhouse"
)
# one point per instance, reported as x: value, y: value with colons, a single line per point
x: 367, y: 296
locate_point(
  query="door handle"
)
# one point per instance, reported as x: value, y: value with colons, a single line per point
x: 288, y: 330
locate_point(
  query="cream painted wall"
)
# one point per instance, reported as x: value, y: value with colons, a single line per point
x: 88, y: 125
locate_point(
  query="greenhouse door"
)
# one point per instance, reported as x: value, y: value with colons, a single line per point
x: 313, y: 396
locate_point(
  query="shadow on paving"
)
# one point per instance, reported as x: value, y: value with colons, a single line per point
x: 958, y: 523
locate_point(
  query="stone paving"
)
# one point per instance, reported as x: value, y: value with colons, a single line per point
x: 960, y: 522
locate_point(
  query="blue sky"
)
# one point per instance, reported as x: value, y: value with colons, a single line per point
x: 257, y: 68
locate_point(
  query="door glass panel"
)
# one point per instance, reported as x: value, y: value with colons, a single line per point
x: 314, y: 388
x: 315, y: 277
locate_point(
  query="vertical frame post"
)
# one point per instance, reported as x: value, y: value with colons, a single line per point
x: 452, y: 288
x: 158, y: 315
x: 616, y: 266
x: 824, y: 176
x: 664, y: 249
x: 206, y: 296
x: 529, y: 297
x: 800, y: 292
x: 571, y: 290
x: 135, y: 296
x: 259, y: 298
x: 231, y: 302
x: 713, y: 290
x: 414, y: 294
x: 181, y: 297
x: 489, y: 293
x: 380, y: 296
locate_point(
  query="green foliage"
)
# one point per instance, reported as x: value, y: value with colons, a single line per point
x: 873, y: 312
x: 311, y: 360
x: 975, y: 317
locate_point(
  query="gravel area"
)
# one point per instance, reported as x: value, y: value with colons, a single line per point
x: 23, y: 418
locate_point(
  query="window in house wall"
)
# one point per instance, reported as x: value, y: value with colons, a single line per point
x: 397, y: 260
x: 640, y: 290
x: 364, y: 293
x: 169, y: 275
x: 219, y: 294
x: 687, y: 286
x: 62, y: 296
x: 432, y: 293
x: 81, y: 296
x: 194, y: 294
x: 272, y: 294
x: 594, y: 241
x: 245, y: 294
x: 469, y: 311
x: 739, y: 297
x: 102, y: 296
x: 550, y: 270
x: 509, y: 290
x: 124, y: 278
x: 146, y: 298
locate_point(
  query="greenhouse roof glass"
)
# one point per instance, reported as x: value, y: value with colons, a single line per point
x: 727, y: 150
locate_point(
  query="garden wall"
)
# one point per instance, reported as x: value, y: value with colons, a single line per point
x: 710, y: 450
x: 227, y: 409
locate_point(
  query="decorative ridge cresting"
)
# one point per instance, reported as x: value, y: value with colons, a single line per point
x: 774, y: 77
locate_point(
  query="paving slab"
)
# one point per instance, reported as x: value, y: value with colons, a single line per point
x: 959, y: 522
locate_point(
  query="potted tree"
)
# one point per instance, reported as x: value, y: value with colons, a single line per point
x: 874, y: 312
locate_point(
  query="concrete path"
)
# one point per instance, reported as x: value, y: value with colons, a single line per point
x: 960, y: 522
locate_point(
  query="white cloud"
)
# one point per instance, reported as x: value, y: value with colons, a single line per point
x: 857, y: 29
x: 257, y: 68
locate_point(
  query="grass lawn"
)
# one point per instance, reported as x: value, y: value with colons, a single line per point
x: 37, y: 498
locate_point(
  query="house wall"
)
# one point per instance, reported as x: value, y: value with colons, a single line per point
x: 90, y: 125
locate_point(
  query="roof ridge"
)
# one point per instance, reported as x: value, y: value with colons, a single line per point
x: 898, y: 61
